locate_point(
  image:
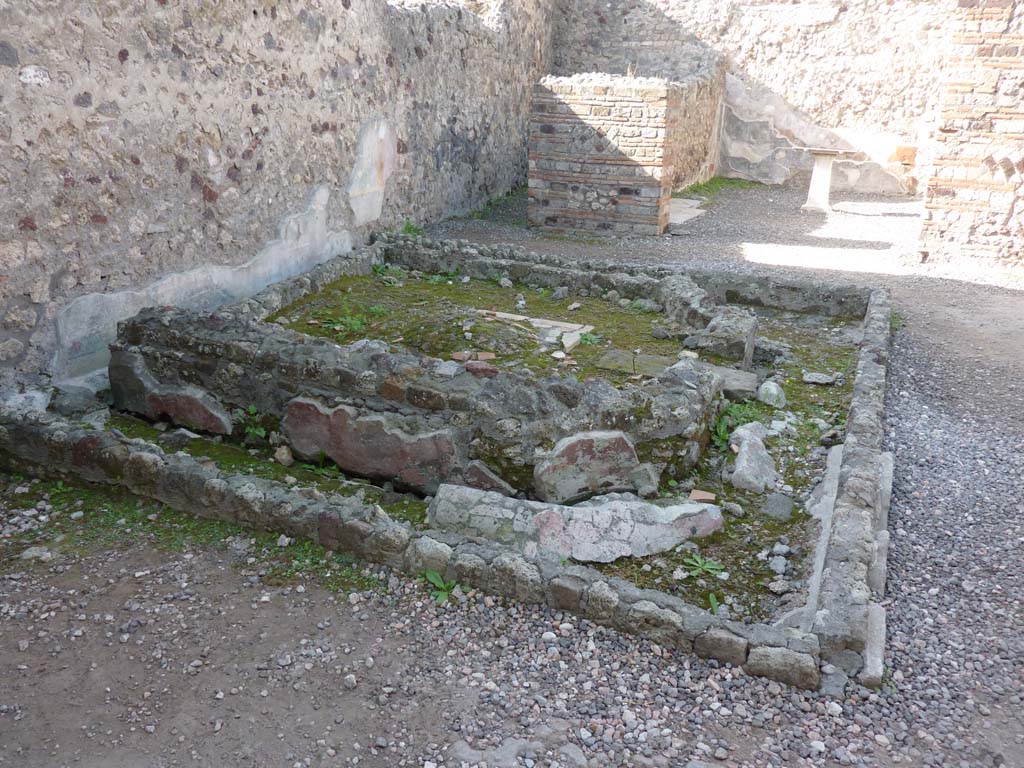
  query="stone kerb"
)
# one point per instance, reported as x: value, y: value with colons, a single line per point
x: 54, y: 447
x: 849, y: 620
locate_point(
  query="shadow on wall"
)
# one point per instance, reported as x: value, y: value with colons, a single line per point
x: 764, y: 136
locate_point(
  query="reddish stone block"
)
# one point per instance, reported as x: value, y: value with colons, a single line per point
x: 190, y: 408
x: 586, y: 464
x: 370, y: 445
x: 481, y: 370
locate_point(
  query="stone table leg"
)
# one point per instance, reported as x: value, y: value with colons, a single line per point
x: 821, y: 184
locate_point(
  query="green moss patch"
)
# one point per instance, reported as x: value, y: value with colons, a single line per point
x: 434, y: 313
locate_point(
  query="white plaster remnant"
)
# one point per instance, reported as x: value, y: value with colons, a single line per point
x: 88, y: 324
x: 375, y: 161
x: 600, y: 530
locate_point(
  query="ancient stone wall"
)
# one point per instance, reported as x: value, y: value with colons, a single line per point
x: 606, y: 151
x: 191, y: 154
x: 975, y: 195
x: 857, y: 74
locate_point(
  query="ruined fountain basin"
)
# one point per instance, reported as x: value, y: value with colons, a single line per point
x: 497, y: 422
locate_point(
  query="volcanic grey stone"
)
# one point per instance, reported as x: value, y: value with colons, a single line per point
x: 770, y: 393
x: 721, y: 644
x: 731, y: 334
x: 737, y: 385
x: 754, y: 469
x: 822, y: 379
x: 778, y: 506
x: 427, y: 554
x: 784, y: 665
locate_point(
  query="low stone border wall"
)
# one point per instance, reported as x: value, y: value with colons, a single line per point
x: 630, y: 279
x: 54, y: 447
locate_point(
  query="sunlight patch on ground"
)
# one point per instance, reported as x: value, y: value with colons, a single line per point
x: 885, y: 262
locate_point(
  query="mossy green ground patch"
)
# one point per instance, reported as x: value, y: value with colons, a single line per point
x: 711, y: 188
x: 433, y: 314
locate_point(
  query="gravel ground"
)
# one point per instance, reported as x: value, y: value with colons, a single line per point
x: 134, y: 656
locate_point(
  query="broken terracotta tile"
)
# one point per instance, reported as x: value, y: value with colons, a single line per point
x: 705, y: 497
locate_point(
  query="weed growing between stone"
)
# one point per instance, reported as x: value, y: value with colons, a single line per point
x: 83, y: 519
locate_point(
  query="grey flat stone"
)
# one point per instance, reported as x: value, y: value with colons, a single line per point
x: 874, y: 650
x: 778, y: 506
x: 627, y: 362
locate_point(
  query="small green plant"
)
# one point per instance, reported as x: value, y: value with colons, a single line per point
x: 713, y: 603
x: 590, y: 339
x: 639, y: 305
x: 408, y: 228
x: 702, y: 566
x: 380, y: 269
x: 896, y: 322
x: 59, y: 489
x: 440, y: 589
x: 341, y: 322
x: 443, y: 277
x: 720, y: 433
x: 734, y: 415
x: 377, y: 310
x: 254, y: 429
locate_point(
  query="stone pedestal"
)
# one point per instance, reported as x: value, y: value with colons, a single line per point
x: 821, y: 181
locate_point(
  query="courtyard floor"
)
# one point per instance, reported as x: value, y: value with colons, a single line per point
x: 131, y: 654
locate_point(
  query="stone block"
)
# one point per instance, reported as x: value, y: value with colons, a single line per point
x: 786, y: 666
x: 585, y: 464
x: 718, y: 643
x: 874, y: 649
x: 370, y: 445
x: 565, y: 593
x: 134, y: 389
x: 427, y: 554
